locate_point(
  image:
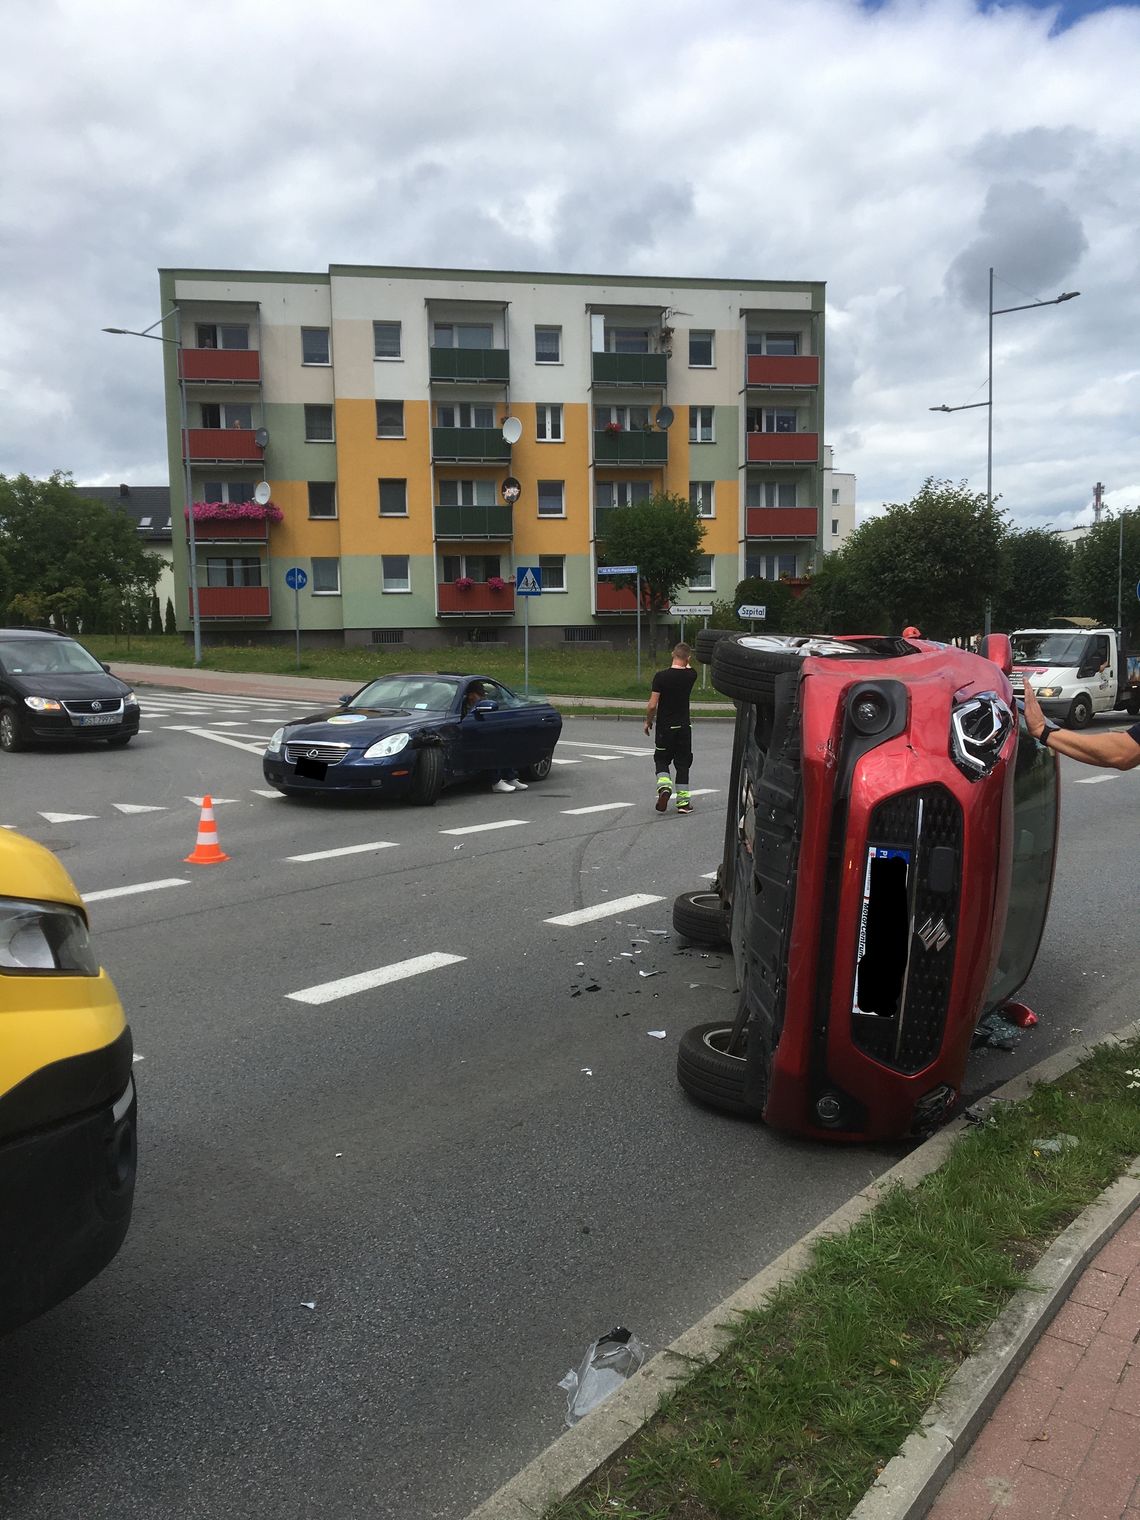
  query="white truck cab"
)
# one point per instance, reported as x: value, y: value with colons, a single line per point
x: 1076, y: 672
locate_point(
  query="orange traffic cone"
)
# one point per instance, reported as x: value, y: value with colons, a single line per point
x: 207, y: 851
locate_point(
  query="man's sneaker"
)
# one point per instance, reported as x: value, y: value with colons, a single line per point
x: 684, y: 806
x: 502, y: 786
x: 662, y: 799
x: 519, y: 786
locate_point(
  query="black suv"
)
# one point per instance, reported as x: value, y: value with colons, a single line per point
x: 53, y: 690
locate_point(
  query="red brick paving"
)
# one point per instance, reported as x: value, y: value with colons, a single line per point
x: 1064, y: 1442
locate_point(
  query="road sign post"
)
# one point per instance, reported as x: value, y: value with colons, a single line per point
x: 296, y: 580
x: 683, y: 610
x: 528, y: 583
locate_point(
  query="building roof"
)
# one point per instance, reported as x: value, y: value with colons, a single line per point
x: 147, y: 506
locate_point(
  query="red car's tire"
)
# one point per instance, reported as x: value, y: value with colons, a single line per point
x: 710, y: 1075
x: 702, y: 916
x: 749, y: 675
x: 706, y: 641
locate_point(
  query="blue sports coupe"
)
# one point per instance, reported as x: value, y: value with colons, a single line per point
x: 411, y: 735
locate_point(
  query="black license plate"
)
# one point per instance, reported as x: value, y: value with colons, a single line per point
x: 312, y: 770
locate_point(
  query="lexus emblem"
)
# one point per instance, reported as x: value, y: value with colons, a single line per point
x: 313, y: 754
x: 96, y: 707
x: 934, y: 934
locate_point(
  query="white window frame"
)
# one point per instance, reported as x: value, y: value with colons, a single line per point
x: 623, y: 416
x: 404, y: 590
x: 561, y: 484
x: 835, y: 527
x: 761, y: 339
x: 546, y: 327
x: 703, y: 499
x: 619, y: 487
x: 454, y: 328
x: 466, y: 492
x: 324, y: 363
x: 226, y: 491
x: 457, y: 407
x: 324, y: 406
x: 380, y: 483
x: 696, y: 424
x: 709, y: 583
x: 398, y: 356
x: 393, y: 401
x: 710, y: 334
x: 548, y: 422
x: 330, y: 559
x: 771, y: 487
x: 220, y: 328
x: 544, y: 562
x: 322, y: 516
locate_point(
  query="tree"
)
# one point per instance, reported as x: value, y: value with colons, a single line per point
x: 662, y: 536
x: 1035, y: 580
x: 154, y: 615
x: 170, y: 622
x: 62, y: 553
x: 1096, y: 574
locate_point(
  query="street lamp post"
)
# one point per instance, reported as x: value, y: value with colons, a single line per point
x: 1001, y: 311
x: 184, y: 445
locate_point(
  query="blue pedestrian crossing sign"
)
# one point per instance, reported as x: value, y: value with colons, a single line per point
x: 528, y: 580
x: 296, y: 579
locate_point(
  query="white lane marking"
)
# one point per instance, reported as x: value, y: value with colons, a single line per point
x: 146, y: 730
x: 598, y: 807
x: 229, y: 723
x: 604, y: 910
x: 1092, y: 780
x: 208, y: 733
x: 708, y: 875
x: 565, y: 762
x: 142, y: 886
x: 346, y: 849
x: 214, y: 801
x: 7, y: 825
x: 68, y: 817
x: 482, y: 828
x: 136, y: 807
x: 259, y: 791
x: 607, y: 757
x: 704, y: 791
x: 625, y: 749
x: 364, y: 981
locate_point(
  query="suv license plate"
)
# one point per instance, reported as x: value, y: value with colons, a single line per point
x: 89, y: 722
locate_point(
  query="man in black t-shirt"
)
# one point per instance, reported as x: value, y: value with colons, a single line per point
x: 669, y: 704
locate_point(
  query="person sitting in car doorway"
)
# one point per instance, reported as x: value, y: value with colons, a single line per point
x: 504, y: 780
x: 1118, y: 750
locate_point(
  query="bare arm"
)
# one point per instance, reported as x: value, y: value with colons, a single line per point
x: 1114, y: 751
x: 651, y: 710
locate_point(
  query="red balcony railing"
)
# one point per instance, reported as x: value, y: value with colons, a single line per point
x: 223, y: 446
x: 233, y: 601
x: 478, y: 598
x: 225, y: 366
x: 214, y: 530
x: 788, y: 370
x: 613, y: 598
x: 782, y: 448
x: 781, y: 522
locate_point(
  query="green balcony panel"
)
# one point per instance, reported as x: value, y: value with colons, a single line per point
x: 474, y: 522
x: 636, y: 448
x: 629, y: 369
x: 470, y: 364
x: 469, y: 443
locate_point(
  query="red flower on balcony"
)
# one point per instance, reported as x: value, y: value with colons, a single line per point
x: 463, y: 583
x: 235, y: 511
x: 613, y: 427
x: 496, y: 583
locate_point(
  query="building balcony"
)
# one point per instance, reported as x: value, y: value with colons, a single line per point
x: 782, y: 448
x: 781, y: 522
x: 781, y: 371
x: 636, y: 449
x: 477, y: 600
x: 220, y: 366
x: 645, y: 370
x: 611, y: 598
x: 223, y: 446
x: 470, y: 445
x: 474, y: 522
x: 216, y: 530
x: 471, y: 365
x: 232, y: 602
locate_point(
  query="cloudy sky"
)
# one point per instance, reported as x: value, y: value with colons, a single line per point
x: 894, y: 148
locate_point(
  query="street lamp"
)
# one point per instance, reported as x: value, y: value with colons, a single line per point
x: 184, y: 445
x: 1001, y: 311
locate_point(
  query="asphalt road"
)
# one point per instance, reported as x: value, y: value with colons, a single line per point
x: 371, y: 1232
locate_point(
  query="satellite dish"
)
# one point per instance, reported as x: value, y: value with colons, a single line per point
x: 512, y: 430
x: 511, y: 490
x: 261, y: 437
x: 261, y: 492
x: 664, y: 418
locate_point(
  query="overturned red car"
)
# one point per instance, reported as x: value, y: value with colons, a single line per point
x: 888, y: 861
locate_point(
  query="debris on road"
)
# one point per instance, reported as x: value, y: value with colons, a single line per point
x: 608, y: 1362
x: 649, y: 973
x: 655, y: 1034
x: 1055, y: 1144
x: 588, y: 1071
x: 309, y: 1303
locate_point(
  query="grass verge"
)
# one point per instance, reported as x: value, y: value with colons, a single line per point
x: 818, y: 1390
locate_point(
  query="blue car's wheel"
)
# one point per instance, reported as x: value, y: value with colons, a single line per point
x: 539, y: 770
x: 428, y: 779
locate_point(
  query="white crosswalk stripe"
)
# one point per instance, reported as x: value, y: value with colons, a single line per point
x: 382, y: 976
x: 604, y: 910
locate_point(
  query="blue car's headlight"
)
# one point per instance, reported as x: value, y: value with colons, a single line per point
x: 392, y: 745
x: 274, y: 745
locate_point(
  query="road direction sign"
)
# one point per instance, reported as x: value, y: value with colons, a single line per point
x: 752, y: 614
x: 528, y: 580
x: 689, y: 609
x: 295, y: 578
x: 617, y: 569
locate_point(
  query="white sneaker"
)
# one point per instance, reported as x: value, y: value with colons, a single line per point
x: 519, y: 786
x: 502, y: 786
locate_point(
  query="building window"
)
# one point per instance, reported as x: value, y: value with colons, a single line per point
x: 466, y: 493
x: 701, y: 497
x: 227, y: 490
x: 770, y: 493
x: 315, y: 345
x: 326, y: 577
x: 233, y: 572
x: 552, y: 567
x: 769, y: 567
x: 394, y: 572
x: 835, y: 496
x: 773, y: 343
x: 222, y: 335
x: 465, y: 414
x: 700, y: 350
x: 628, y: 418
x: 389, y: 419
x: 386, y: 340
x: 322, y: 498
x: 551, y: 498
x: 835, y: 527
x: 476, y: 567
x: 230, y: 414
x: 621, y: 493
x: 318, y: 424
x: 393, y: 498
x: 548, y: 423
x: 772, y: 419
x: 703, y: 579
x: 548, y: 345
x: 462, y: 335
x: 627, y: 340
x: 702, y: 427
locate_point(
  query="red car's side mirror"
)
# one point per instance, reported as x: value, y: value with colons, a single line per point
x: 996, y: 647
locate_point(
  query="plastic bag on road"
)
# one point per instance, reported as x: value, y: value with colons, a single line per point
x: 609, y: 1361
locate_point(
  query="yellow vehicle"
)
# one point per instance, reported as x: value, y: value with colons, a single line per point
x: 67, y: 1097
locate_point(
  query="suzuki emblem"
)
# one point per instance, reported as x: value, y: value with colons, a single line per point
x: 934, y: 934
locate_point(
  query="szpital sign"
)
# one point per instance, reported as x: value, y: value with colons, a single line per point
x: 752, y: 614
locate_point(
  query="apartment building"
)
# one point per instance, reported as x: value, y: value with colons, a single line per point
x: 386, y: 407
x: 838, y: 504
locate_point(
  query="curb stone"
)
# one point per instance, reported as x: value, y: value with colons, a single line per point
x: 901, y: 1492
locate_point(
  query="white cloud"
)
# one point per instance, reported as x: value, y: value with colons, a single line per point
x: 894, y: 152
